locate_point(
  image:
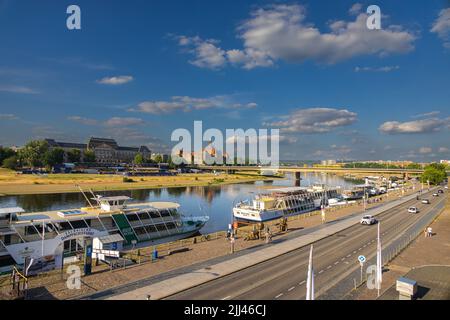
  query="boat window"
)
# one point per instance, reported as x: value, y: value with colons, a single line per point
x: 143, y: 215
x: 6, y: 261
x: 150, y: 228
x: 78, y: 224
x: 65, y: 226
x: 140, y: 230
x: 170, y: 225
x: 7, y: 239
x: 132, y: 217
x: 160, y: 227
x: 154, y: 214
x: 165, y: 213
x: 30, y: 230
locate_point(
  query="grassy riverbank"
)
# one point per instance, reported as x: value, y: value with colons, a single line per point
x: 12, y: 183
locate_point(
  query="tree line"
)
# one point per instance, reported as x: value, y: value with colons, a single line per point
x: 38, y: 154
x: 376, y: 165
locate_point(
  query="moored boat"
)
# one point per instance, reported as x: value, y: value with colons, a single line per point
x: 61, y: 233
x: 282, y: 202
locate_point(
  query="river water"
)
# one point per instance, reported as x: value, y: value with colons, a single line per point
x: 215, y: 201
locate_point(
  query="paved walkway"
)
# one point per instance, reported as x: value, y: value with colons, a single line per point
x: 433, y: 284
x: 188, y: 280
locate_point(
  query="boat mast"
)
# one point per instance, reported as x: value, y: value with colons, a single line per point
x: 84, y: 195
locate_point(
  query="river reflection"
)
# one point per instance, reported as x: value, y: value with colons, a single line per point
x: 215, y: 201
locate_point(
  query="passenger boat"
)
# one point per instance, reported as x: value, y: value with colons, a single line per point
x: 358, y: 191
x: 282, y: 202
x: 50, y: 233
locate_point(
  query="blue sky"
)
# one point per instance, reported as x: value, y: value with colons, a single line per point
x: 139, y: 70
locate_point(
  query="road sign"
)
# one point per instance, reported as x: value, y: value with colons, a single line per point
x: 362, y: 259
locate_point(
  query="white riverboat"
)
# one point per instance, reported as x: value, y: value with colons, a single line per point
x: 282, y: 202
x: 61, y: 233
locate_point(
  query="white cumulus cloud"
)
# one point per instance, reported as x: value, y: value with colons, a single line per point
x: 281, y: 32
x: 417, y: 126
x: 187, y: 104
x: 314, y: 120
x: 441, y: 27
x: 116, y: 80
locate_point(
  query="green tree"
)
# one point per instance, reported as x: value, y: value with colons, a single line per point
x: 434, y: 173
x: 5, y: 153
x: 413, y: 166
x: 170, y: 162
x: 158, y: 158
x: 53, y: 157
x: 74, y: 155
x: 11, y: 162
x: 32, y: 154
x: 139, y: 159
x: 89, y: 156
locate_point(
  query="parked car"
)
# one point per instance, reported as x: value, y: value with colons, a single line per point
x: 426, y: 201
x: 435, y: 194
x: 413, y: 210
x: 440, y: 191
x: 368, y: 220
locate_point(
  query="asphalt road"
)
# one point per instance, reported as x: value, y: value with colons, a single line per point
x: 335, y: 257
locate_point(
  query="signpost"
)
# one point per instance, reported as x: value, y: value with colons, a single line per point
x: 361, y: 260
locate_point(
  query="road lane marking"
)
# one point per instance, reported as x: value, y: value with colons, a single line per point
x: 329, y: 267
x: 302, y: 282
x: 336, y: 262
x: 348, y: 255
x: 320, y: 271
x: 354, y: 251
x: 343, y: 259
x: 227, y: 297
x: 278, y: 295
x: 291, y: 288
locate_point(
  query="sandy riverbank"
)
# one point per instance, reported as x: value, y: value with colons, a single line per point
x: 12, y: 183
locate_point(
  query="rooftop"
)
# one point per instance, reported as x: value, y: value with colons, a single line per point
x: 11, y: 210
x: 88, y: 212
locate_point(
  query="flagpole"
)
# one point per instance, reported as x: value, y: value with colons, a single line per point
x: 43, y: 236
x: 310, y: 279
x: 379, y: 262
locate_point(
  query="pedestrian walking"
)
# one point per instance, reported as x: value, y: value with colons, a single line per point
x: 232, y: 240
x: 430, y: 231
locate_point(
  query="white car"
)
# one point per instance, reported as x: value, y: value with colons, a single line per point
x: 426, y: 201
x: 413, y: 210
x: 368, y: 220
x: 435, y: 195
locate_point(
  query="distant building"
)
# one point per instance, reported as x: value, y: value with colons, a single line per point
x: 105, y: 150
x: 164, y: 157
x: 328, y: 162
x: 445, y: 162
